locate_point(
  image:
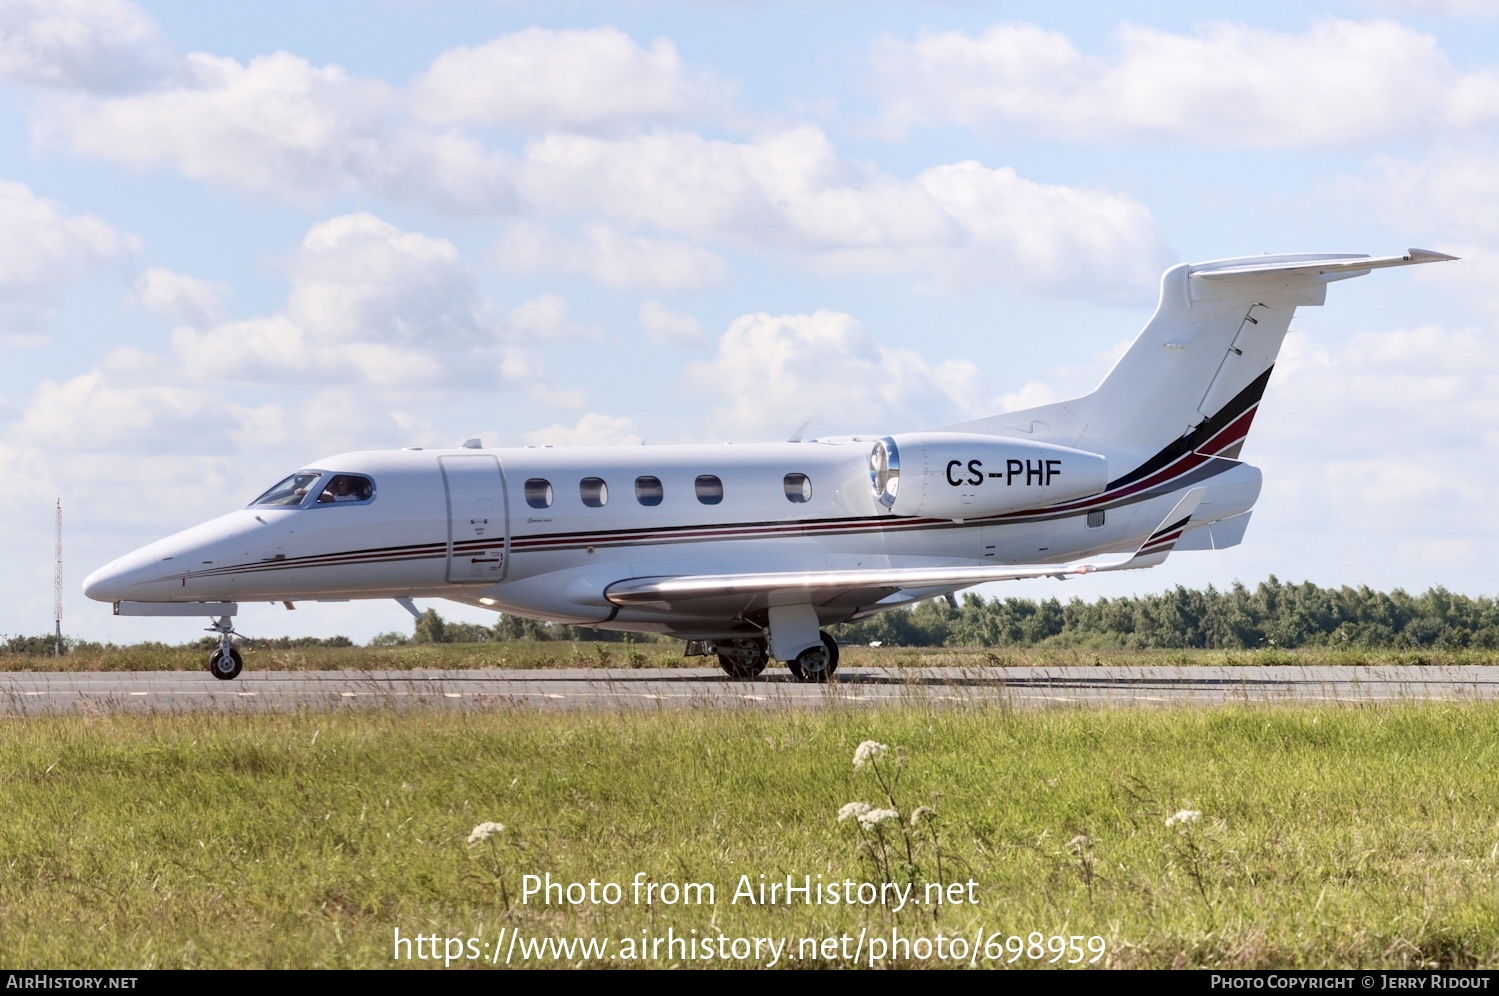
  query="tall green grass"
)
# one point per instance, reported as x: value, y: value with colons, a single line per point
x: 1327, y: 836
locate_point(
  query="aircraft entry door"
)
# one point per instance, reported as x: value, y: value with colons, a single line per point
x: 478, y: 519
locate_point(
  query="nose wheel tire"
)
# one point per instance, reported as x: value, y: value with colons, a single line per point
x: 226, y: 667
x: 742, y: 659
x: 816, y: 664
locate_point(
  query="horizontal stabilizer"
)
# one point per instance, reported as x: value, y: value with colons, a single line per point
x: 1317, y: 264
x: 877, y: 583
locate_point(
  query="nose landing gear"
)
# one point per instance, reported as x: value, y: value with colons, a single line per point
x: 225, y: 663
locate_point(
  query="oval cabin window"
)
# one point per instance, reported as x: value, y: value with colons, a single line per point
x: 539, y: 493
x: 709, y: 489
x: 798, y: 488
x: 648, y: 490
x: 594, y: 491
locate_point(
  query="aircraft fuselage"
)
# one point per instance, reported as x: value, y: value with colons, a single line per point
x: 475, y: 526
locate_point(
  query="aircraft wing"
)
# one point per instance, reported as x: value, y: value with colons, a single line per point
x: 865, y: 587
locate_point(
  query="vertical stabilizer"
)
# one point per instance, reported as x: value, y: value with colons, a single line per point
x: 1205, y: 345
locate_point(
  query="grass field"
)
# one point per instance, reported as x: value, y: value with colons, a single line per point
x: 1332, y: 836
x: 543, y: 654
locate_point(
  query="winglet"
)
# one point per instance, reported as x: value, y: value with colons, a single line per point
x: 1158, y: 544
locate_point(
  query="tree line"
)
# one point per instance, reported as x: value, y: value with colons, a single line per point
x: 1272, y: 614
x: 433, y: 628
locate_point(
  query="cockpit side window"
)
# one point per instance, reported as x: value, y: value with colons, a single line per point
x: 346, y: 488
x: 291, y: 492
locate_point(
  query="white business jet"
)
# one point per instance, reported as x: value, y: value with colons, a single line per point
x: 748, y: 551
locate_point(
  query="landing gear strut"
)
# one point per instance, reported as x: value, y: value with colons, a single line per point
x: 816, y: 663
x: 743, y: 659
x: 225, y: 663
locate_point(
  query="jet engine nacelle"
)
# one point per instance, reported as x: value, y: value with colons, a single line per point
x: 960, y: 475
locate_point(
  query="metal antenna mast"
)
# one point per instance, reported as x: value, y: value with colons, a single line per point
x: 57, y: 587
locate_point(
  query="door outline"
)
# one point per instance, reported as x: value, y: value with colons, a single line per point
x: 450, y: 468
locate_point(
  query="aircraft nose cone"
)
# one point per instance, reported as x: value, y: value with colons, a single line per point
x: 155, y: 572
x: 104, y: 585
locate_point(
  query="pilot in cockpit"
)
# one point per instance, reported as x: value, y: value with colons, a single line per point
x: 344, y: 487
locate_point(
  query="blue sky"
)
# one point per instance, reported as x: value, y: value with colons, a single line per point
x: 236, y: 238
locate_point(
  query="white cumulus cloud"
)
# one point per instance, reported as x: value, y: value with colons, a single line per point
x: 1385, y: 426
x: 99, y: 44
x: 608, y: 256
x: 547, y: 319
x: 278, y: 125
x: 40, y: 247
x: 544, y: 79
x: 666, y: 327
x: 180, y: 298
x: 956, y: 225
x: 1338, y: 83
x: 592, y: 429
x: 283, y: 126
x: 1452, y: 191
x: 772, y: 372
x: 357, y: 276
x: 373, y: 304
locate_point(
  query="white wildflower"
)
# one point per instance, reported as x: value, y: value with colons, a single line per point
x: 484, y: 831
x: 922, y: 813
x: 873, y: 818
x: 853, y: 811
x: 1183, y: 817
x: 867, y: 752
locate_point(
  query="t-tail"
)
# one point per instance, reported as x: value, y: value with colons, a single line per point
x: 1191, y: 381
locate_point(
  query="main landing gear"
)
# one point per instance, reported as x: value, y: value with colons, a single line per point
x: 816, y: 663
x: 742, y: 659
x: 745, y: 659
x: 225, y: 663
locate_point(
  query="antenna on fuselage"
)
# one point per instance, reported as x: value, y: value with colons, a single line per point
x: 57, y: 586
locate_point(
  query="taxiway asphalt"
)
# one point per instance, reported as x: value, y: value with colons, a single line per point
x: 24, y: 693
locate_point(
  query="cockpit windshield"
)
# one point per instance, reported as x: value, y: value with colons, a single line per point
x: 290, y: 492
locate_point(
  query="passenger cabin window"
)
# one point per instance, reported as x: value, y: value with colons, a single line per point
x: 648, y: 490
x: 290, y: 492
x: 798, y: 488
x: 1095, y: 519
x: 539, y: 493
x: 594, y: 491
x: 346, y: 488
x: 709, y: 489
